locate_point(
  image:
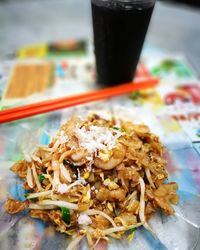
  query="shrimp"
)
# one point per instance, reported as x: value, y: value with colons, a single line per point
x: 80, y: 156
x: 117, y: 157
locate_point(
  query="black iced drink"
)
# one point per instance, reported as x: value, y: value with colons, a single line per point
x: 119, y: 28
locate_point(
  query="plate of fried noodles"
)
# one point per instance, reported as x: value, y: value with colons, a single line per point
x: 97, y: 181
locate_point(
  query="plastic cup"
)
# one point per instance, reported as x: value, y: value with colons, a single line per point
x: 119, y: 28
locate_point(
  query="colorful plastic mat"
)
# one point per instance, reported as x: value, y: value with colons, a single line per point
x: 172, y: 111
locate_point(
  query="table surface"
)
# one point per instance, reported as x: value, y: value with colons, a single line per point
x: 173, y: 27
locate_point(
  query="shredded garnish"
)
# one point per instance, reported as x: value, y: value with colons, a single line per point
x: 97, y: 138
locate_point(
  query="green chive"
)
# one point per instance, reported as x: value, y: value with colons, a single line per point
x: 33, y: 199
x: 26, y: 195
x: 66, y: 215
x: 41, y: 177
x: 120, y: 129
x: 132, y: 230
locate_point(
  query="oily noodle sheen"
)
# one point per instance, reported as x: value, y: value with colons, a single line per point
x: 97, y: 179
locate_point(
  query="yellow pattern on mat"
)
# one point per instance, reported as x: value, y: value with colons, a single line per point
x: 29, y: 78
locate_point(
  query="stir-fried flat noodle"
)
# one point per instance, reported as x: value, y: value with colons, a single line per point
x: 96, y: 179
